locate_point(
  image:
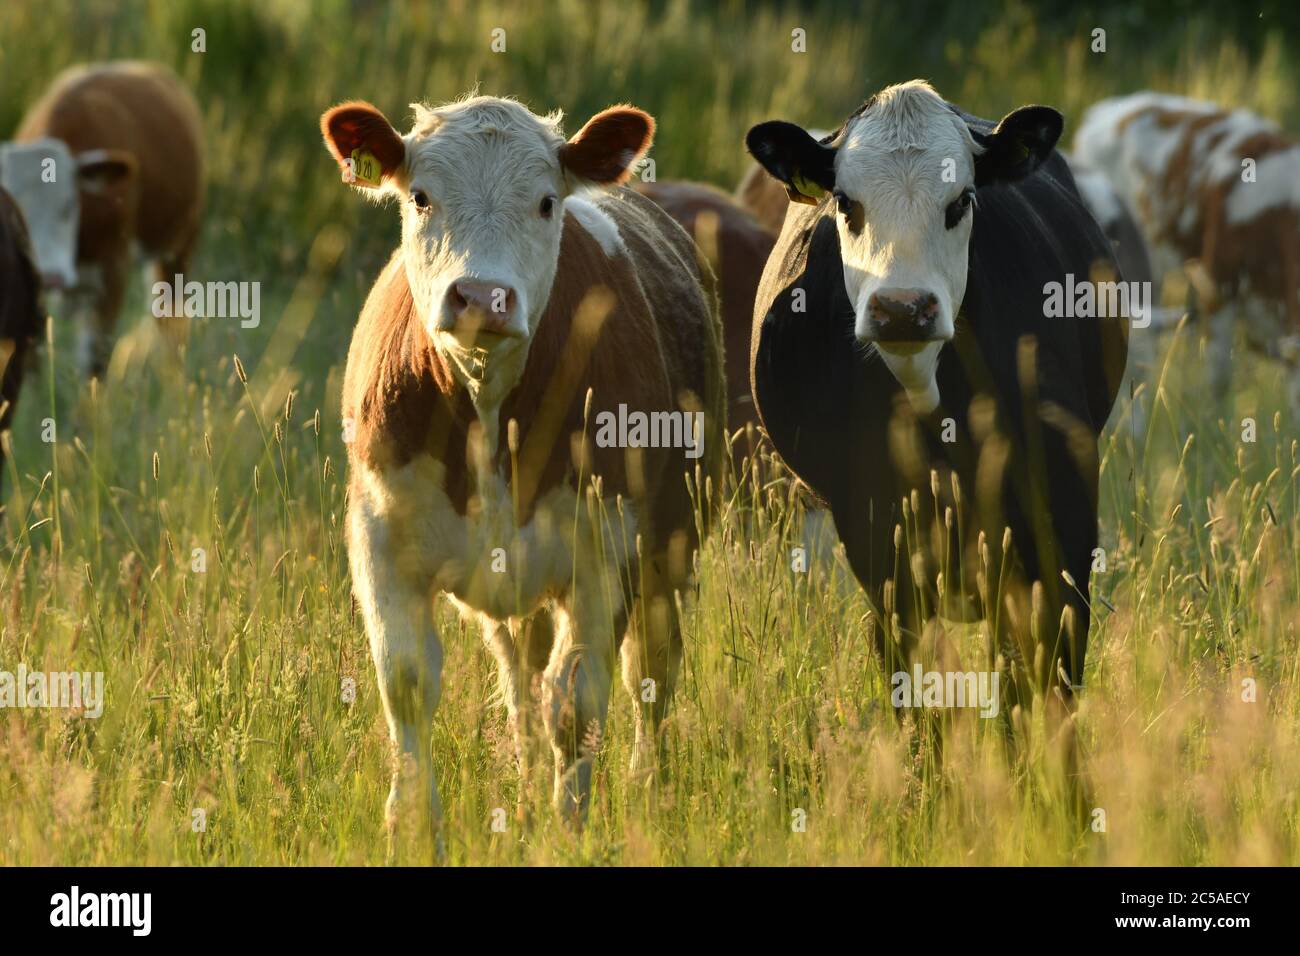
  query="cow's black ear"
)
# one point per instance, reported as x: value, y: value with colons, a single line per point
x: 1018, y: 145
x: 787, y: 152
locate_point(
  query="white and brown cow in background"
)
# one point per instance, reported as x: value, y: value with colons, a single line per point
x: 527, y: 298
x: 1134, y: 258
x: 107, y: 161
x: 1218, y: 190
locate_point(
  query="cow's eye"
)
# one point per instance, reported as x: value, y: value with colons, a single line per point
x: 957, y: 208
x: 843, y: 203
x: 420, y: 198
x: 547, y: 207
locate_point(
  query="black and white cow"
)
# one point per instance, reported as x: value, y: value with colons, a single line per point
x: 904, y: 366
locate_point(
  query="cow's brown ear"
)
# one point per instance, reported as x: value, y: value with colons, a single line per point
x: 606, y: 150
x: 105, y: 171
x: 354, y: 129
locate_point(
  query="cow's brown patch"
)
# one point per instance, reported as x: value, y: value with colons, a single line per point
x: 1261, y: 253
x: 1128, y: 119
x: 1182, y: 167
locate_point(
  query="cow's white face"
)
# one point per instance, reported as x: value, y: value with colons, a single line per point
x: 903, y: 174
x: 483, y: 202
x: 42, y: 178
x: 483, y: 183
x: 904, y: 185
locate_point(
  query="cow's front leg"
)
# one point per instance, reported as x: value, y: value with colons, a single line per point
x: 511, y: 682
x: 521, y: 653
x: 105, y: 294
x: 575, y: 691
x: 396, y: 604
x: 652, y: 656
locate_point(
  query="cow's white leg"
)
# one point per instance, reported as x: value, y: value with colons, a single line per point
x: 651, y: 655
x: 107, y: 293
x: 575, y: 692
x: 1220, y: 346
x: 511, y: 679
x: 76, y: 310
x: 174, y: 324
x: 396, y: 603
x: 522, y: 651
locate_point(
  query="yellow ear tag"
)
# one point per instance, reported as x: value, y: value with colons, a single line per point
x: 366, y: 170
x: 806, y: 188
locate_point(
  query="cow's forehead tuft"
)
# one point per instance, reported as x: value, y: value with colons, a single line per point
x: 906, y: 116
x: 484, y: 136
x: 485, y: 114
x: 900, y: 141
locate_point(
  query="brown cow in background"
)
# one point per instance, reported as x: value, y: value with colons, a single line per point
x: 764, y: 198
x: 736, y: 236
x: 736, y: 246
x: 134, y: 136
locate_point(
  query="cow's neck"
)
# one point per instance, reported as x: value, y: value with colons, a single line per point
x: 488, y: 379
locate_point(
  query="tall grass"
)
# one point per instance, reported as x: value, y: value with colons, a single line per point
x: 225, y: 686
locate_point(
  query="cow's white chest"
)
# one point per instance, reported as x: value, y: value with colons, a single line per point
x: 488, y: 559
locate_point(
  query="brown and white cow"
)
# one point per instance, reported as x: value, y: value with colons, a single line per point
x: 128, y: 135
x: 528, y: 306
x: 736, y: 247
x: 1220, y: 189
x: 20, y: 308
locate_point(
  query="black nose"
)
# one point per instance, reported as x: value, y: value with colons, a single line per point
x: 902, y: 315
